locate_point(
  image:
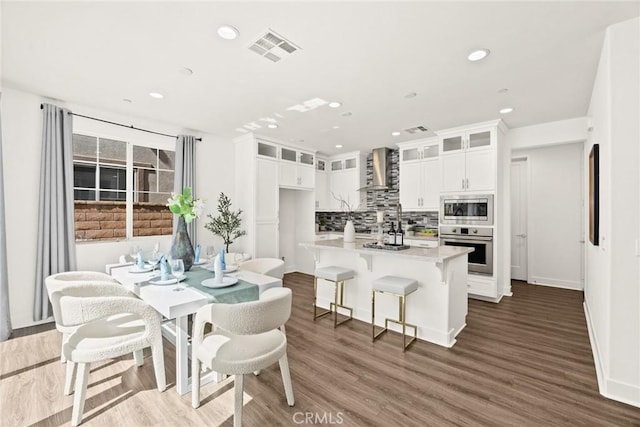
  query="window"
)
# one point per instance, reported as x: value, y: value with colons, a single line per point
x: 100, y: 167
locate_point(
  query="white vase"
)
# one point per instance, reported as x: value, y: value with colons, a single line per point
x: 349, y: 232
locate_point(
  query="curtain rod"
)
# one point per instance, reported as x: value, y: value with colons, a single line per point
x: 124, y: 126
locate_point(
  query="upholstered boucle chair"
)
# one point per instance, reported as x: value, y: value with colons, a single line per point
x: 107, y: 327
x: 273, y: 267
x: 60, y: 280
x: 246, y: 338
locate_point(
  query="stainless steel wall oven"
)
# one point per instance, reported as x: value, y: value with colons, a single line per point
x: 480, y: 239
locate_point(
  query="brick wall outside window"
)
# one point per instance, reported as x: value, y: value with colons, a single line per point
x: 105, y: 220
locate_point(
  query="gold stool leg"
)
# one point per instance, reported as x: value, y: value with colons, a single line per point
x: 315, y: 296
x: 339, y: 299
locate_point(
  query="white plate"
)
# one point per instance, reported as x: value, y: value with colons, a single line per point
x: 201, y: 261
x: 135, y: 269
x: 170, y: 281
x: 226, y: 281
x: 230, y: 268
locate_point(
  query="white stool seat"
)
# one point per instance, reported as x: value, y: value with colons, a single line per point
x: 395, y: 285
x: 335, y: 274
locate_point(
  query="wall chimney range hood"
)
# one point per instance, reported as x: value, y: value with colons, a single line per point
x: 381, y: 170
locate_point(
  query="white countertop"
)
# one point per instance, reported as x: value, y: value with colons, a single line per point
x: 417, y: 236
x: 438, y: 254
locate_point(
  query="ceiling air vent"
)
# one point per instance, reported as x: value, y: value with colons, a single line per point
x: 273, y: 46
x: 416, y: 129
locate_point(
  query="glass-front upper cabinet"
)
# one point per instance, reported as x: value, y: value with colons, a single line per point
x: 479, y: 139
x: 350, y: 163
x: 306, y: 158
x: 288, y: 154
x: 430, y: 151
x: 321, y: 165
x: 409, y: 154
x: 267, y: 150
x: 337, y: 165
x: 453, y: 143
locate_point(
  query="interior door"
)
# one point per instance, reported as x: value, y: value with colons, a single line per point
x: 519, y: 196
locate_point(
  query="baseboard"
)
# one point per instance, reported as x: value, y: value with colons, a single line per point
x: 609, y: 388
x: 555, y: 283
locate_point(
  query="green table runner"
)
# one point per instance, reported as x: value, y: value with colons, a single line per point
x: 240, y: 292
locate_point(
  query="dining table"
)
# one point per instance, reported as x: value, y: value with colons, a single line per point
x: 176, y: 300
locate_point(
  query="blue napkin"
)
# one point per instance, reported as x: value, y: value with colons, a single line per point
x: 164, y: 268
x: 222, y: 263
x: 140, y: 260
x: 196, y: 257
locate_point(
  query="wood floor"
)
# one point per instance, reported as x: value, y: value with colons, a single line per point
x: 523, y: 362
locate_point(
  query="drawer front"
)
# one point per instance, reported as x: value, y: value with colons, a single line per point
x: 482, y: 288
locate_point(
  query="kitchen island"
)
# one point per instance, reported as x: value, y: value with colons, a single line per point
x: 438, y: 307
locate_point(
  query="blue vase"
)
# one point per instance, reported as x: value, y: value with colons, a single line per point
x: 181, y: 248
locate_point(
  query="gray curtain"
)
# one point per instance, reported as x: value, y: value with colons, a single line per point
x: 185, y: 175
x: 5, y: 315
x: 56, y: 250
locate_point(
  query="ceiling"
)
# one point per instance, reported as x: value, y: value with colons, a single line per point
x: 366, y: 55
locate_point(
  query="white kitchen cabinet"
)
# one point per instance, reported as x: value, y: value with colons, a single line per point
x: 266, y: 190
x: 322, y: 185
x: 345, y: 174
x: 421, y: 243
x: 296, y: 169
x: 419, y: 181
x: 468, y: 160
x: 262, y: 167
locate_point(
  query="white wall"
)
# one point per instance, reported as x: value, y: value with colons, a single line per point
x: 22, y: 127
x: 612, y: 294
x: 551, y: 133
x: 555, y: 214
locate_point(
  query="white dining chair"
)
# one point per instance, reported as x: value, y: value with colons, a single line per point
x: 273, y: 267
x: 245, y: 338
x: 107, y: 327
x: 59, y: 280
x: 236, y: 257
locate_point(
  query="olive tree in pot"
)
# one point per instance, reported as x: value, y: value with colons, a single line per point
x: 227, y: 224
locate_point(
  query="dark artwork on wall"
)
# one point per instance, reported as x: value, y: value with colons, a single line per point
x: 594, y: 194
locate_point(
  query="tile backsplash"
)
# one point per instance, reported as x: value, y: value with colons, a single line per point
x: 365, y: 221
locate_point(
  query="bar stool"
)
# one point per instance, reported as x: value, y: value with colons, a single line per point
x: 400, y: 287
x: 337, y: 275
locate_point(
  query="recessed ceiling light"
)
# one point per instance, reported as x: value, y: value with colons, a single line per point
x: 186, y: 71
x: 335, y: 104
x: 477, y: 55
x: 396, y: 133
x: 156, y: 95
x: 506, y: 110
x: 272, y: 126
x: 411, y: 95
x: 228, y: 32
x: 346, y: 114
x: 338, y: 145
x: 336, y: 127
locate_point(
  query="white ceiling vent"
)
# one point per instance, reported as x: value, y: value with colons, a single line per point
x: 273, y: 46
x: 416, y: 129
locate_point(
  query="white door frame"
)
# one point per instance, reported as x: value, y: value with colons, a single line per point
x: 527, y: 174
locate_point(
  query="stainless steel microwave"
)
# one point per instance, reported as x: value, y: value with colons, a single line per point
x: 467, y: 209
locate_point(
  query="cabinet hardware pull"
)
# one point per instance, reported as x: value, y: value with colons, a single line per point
x: 467, y: 183
x: 463, y: 183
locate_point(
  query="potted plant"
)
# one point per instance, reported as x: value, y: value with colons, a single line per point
x: 323, y: 224
x: 227, y: 224
x: 411, y: 231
